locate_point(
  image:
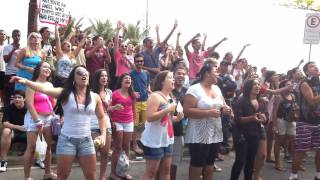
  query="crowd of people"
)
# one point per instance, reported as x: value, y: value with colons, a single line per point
x: 110, y: 95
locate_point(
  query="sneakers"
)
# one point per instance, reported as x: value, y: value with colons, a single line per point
x: 3, y: 166
x: 216, y: 168
x: 40, y: 164
x: 292, y: 178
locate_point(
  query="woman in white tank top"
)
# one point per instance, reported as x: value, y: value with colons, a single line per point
x: 78, y: 103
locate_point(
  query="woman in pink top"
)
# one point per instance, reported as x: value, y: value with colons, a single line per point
x: 122, y: 117
x: 37, y: 120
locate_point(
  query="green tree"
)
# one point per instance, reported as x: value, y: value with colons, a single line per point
x: 134, y: 33
x: 311, y: 5
x: 103, y: 29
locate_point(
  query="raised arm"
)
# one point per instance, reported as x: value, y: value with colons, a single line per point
x: 158, y: 35
x: 203, y: 46
x: 81, y: 44
x: 213, y: 48
x: 53, y: 92
x: 178, y: 41
x: 240, y: 53
x: 59, y: 52
x: 170, y: 33
x: 186, y: 49
x: 116, y: 39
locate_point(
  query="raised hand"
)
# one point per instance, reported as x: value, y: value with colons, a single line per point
x: 175, y: 24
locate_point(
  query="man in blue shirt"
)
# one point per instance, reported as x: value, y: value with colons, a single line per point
x: 141, y: 79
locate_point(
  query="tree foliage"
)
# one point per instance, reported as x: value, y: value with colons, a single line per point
x: 103, y: 29
x: 135, y: 34
x: 311, y: 5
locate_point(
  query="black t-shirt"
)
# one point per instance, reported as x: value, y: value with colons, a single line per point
x: 14, y: 115
x: 243, y: 108
x: 177, y: 126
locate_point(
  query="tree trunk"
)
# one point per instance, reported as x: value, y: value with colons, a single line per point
x: 31, y: 15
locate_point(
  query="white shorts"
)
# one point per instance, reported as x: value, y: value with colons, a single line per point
x: 177, y: 150
x: 31, y: 126
x: 285, y: 127
x: 125, y: 127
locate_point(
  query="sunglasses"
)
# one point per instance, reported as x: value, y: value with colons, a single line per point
x: 82, y: 73
x: 139, y: 61
x: 123, y: 46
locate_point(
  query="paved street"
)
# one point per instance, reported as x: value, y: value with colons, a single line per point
x: 137, y: 169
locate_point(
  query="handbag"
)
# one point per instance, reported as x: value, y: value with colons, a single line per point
x: 55, y: 121
x: 55, y: 125
x: 41, y: 148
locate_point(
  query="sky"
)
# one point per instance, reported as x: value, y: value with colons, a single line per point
x: 275, y: 32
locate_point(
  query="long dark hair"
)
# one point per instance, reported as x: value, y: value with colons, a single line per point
x: 130, y: 90
x: 95, y: 81
x: 247, y: 87
x: 158, y: 80
x: 207, y: 67
x: 69, y: 87
x: 36, y: 72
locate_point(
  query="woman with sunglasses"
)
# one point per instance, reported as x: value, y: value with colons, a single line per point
x: 65, y: 58
x: 28, y: 58
x: 37, y: 120
x: 78, y: 104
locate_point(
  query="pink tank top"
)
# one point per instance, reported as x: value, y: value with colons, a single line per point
x: 43, y: 103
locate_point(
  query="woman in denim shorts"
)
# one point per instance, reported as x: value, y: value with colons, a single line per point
x: 99, y: 86
x: 78, y: 104
x: 157, y: 138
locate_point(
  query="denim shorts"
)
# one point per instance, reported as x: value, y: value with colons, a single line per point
x: 157, y: 153
x: 75, y: 146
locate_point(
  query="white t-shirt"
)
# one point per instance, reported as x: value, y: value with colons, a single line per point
x: 205, y: 130
x: 10, y: 67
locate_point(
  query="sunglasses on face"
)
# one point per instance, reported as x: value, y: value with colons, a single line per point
x: 139, y: 61
x: 82, y: 73
x: 123, y: 46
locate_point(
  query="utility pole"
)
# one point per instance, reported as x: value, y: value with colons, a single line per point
x: 147, y: 17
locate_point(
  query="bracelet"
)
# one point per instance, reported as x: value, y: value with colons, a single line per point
x: 37, y: 120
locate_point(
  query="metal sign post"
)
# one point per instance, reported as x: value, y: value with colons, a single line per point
x: 312, y: 30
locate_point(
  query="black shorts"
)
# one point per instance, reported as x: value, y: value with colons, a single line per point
x: 203, y: 154
x: 1, y: 80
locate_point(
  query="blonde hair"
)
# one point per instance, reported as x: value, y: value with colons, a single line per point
x: 31, y: 52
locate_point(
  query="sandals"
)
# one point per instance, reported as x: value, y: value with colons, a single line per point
x: 51, y: 176
x: 280, y: 168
